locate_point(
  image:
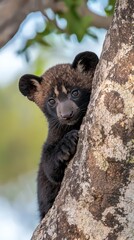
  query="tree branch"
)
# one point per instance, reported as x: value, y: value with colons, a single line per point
x: 99, y: 21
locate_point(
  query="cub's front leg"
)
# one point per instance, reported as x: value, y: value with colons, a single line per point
x: 57, y: 157
x: 51, y: 170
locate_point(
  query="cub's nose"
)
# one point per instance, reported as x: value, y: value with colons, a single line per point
x: 67, y: 115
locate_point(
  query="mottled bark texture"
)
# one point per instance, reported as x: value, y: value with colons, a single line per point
x: 13, y: 12
x: 96, y: 200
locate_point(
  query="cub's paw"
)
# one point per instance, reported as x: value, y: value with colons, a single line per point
x: 68, y: 146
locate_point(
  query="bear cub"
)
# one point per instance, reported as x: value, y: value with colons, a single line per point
x: 62, y: 93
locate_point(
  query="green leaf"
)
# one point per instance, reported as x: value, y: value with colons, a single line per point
x: 74, y: 3
x: 109, y: 9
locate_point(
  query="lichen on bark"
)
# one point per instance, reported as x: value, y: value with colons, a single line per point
x: 96, y: 200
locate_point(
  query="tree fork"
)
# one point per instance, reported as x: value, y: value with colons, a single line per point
x: 96, y: 200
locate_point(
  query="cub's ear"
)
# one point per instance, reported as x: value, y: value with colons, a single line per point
x: 29, y: 85
x: 85, y: 61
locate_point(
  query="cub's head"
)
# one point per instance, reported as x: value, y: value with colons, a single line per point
x: 63, y: 91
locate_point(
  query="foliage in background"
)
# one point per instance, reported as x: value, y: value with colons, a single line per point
x: 22, y: 128
x: 71, y: 20
x: 109, y: 9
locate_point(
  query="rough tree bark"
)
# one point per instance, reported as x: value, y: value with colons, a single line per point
x: 96, y: 200
x: 13, y: 12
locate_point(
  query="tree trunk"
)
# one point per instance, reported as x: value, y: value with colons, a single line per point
x: 96, y: 200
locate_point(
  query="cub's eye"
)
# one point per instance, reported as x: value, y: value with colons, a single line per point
x: 51, y: 102
x: 75, y: 93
